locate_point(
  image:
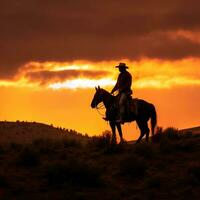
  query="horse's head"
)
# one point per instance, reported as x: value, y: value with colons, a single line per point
x: 98, y: 97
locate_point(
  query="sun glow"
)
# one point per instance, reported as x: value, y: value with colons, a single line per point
x: 146, y: 73
x: 56, y: 66
x: 54, y: 92
x: 71, y: 67
x: 82, y: 83
x: 23, y: 82
x: 165, y: 82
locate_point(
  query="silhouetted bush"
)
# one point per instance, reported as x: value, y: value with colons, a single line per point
x: 145, y: 150
x: 73, y: 172
x: 133, y: 166
x: 28, y: 157
x: 171, y: 133
x: 156, y: 138
x: 101, y: 141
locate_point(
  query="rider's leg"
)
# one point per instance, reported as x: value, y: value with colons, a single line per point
x: 122, y: 107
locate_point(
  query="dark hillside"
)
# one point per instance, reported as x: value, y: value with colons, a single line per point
x: 66, y: 168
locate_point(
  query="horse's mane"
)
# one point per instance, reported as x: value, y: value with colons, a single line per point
x: 103, y: 90
x: 106, y: 92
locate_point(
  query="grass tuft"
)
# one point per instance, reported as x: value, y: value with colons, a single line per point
x: 101, y: 141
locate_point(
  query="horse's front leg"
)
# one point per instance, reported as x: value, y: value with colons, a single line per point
x: 119, y: 128
x: 112, y: 125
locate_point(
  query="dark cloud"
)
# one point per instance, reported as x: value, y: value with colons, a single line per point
x: 63, y: 30
x: 51, y: 76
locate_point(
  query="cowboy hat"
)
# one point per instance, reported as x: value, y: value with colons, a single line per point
x: 122, y: 65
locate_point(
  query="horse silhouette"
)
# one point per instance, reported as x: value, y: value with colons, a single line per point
x: 145, y: 111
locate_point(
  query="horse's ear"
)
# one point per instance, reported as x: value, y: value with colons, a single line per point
x: 99, y: 87
x: 96, y: 88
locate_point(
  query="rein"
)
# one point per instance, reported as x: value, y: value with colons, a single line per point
x: 101, y: 107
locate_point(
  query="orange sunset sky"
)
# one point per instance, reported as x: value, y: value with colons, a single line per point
x: 53, y: 54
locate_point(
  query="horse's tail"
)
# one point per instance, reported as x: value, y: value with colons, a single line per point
x: 153, y: 117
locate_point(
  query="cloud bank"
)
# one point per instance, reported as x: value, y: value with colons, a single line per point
x: 105, y: 30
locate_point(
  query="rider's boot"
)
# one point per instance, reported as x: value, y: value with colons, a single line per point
x: 122, y: 114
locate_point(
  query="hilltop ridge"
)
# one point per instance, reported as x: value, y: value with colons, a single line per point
x: 193, y: 130
x: 26, y: 132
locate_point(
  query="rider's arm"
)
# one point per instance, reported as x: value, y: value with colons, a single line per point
x: 115, y: 88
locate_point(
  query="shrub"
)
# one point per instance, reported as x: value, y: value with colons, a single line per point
x: 171, y: 133
x: 101, y: 141
x: 133, y: 166
x: 156, y: 138
x: 29, y: 157
x: 73, y: 172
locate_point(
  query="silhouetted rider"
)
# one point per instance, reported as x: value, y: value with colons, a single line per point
x: 123, y: 86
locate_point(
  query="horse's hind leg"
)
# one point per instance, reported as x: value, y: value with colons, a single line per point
x: 120, y: 132
x: 112, y: 125
x: 143, y: 126
x: 147, y: 133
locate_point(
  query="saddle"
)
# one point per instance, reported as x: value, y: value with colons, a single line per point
x: 131, y: 108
